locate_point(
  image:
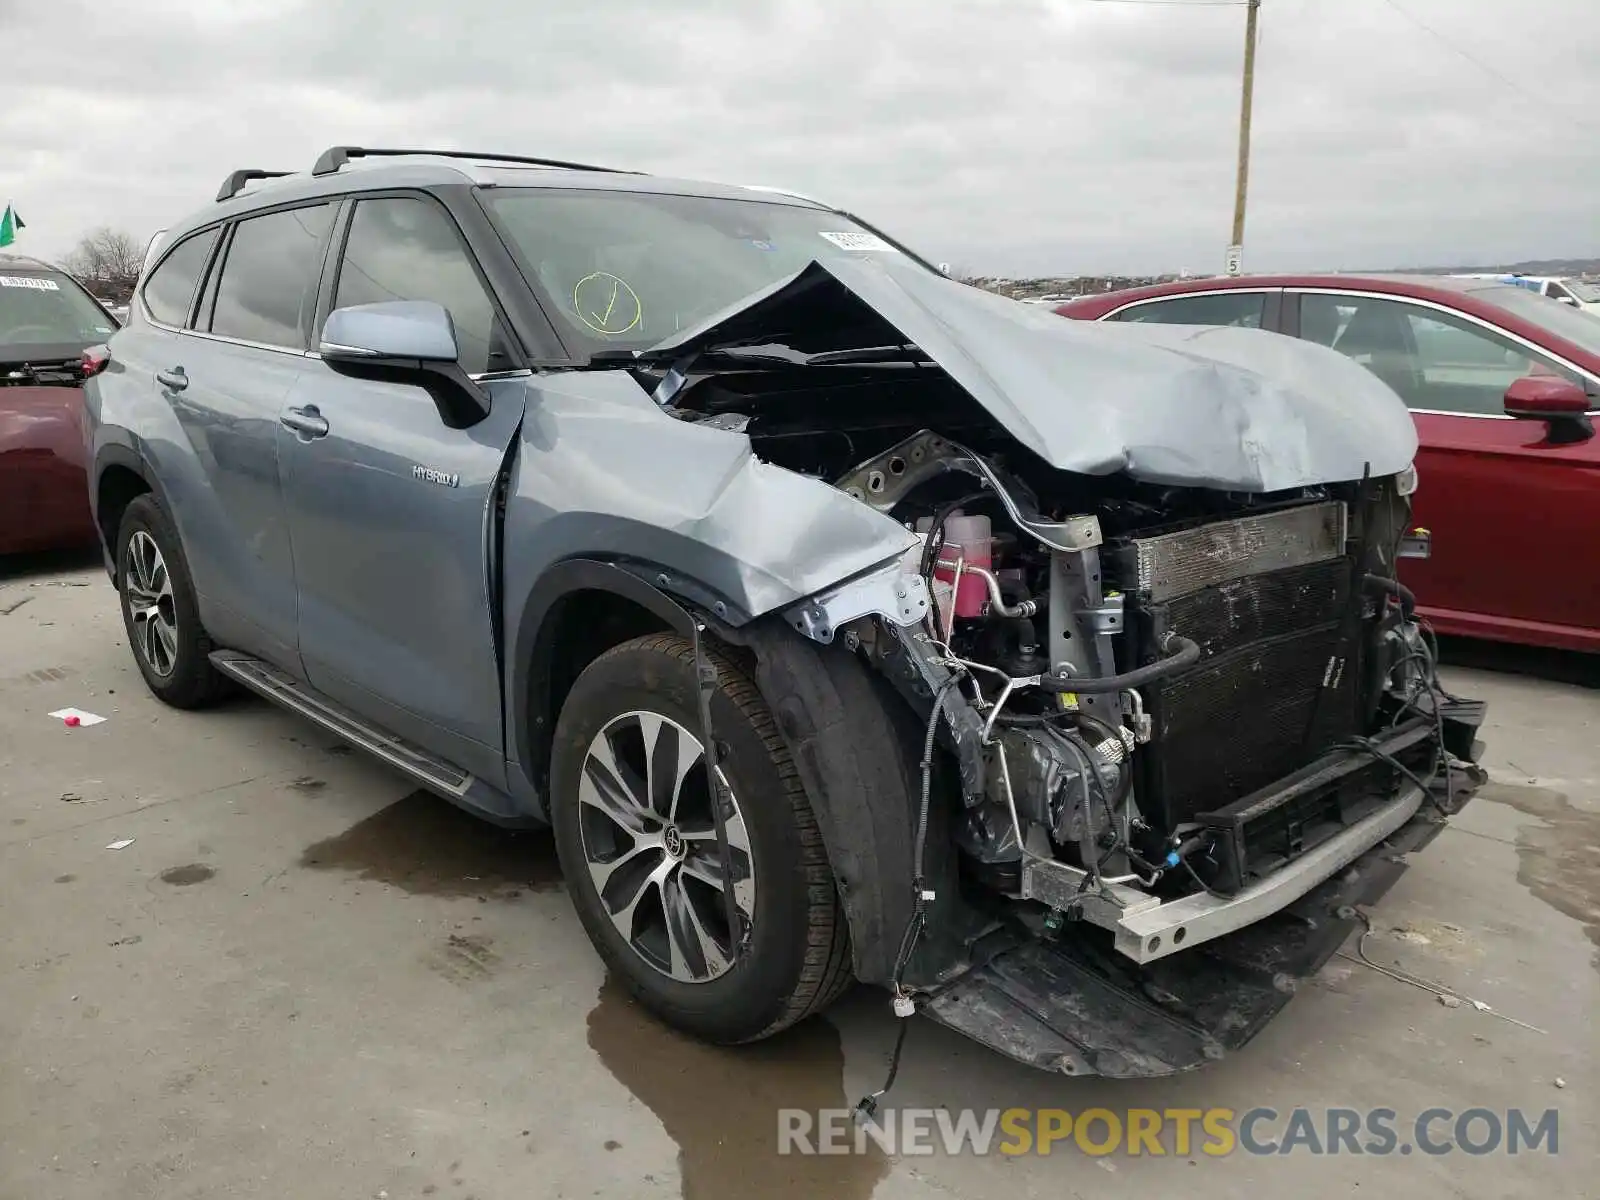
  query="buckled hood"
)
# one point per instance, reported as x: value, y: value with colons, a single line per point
x: 1237, y: 409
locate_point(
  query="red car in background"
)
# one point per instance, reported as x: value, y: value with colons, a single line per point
x: 47, y: 322
x: 1503, y: 385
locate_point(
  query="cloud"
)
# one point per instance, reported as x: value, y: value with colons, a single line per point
x: 1005, y: 135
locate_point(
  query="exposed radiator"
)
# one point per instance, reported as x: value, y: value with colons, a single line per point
x: 1265, y: 596
x: 1167, y: 565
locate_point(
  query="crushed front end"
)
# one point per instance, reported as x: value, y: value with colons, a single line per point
x: 1173, y: 717
x: 1192, y: 732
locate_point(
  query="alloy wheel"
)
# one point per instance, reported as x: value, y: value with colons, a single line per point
x: 649, y: 838
x: 148, y: 589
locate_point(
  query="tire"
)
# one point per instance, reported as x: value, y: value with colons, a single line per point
x: 796, y: 957
x: 159, y: 611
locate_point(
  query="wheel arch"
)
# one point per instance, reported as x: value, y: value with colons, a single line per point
x: 579, y: 609
x: 852, y: 740
x: 120, y: 475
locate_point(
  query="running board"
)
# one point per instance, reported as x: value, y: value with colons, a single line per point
x: 287, y: 692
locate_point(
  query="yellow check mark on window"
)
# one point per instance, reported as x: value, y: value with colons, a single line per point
x: 606, y: 316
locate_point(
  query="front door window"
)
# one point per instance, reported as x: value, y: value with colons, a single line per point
x: 1436, y: 360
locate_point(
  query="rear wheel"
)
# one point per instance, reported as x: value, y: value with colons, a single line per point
x: 631, y: 801
x: 159, y: 610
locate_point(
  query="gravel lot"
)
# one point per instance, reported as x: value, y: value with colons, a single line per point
x: 305, y: 979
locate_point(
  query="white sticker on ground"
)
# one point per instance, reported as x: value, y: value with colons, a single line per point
x: 77, y: 716
x: 855, y: 239
x: 28, y: 281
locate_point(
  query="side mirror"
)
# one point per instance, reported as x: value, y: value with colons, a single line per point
x: 418, y: 330
x: 1568, y: 300
x: 1550, y: 398
x: 405, y: 341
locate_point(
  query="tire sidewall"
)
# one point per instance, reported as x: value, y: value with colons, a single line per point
x: 751, y: 995
x: 192, y: 669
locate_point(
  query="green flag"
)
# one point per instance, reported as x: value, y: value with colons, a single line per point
x: 9, y: 224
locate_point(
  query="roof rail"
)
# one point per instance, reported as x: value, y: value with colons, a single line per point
x: 234, y: 184
x: 783, y: 191
x: 336, y: 156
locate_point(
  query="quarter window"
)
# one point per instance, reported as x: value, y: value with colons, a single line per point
x: 1435, y: 360
x: 1241, y: 309
x: 406, y: 248
x: 269, y: 280
x: 169, y: 291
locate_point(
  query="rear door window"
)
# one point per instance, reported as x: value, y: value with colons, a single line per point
x: 1242, y: 309
x: 169, y: 291
x: 268, y: 286
x: 407, y: 248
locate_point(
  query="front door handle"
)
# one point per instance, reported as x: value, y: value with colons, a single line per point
x: 174, y: 379
x: 308, y: 422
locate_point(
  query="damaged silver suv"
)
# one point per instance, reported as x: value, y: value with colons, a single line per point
x: 843, y: 620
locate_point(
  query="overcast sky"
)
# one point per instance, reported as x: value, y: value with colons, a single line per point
x: 1005, y: 136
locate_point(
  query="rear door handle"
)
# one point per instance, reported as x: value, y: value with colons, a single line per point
x: 308, y: 422
x: 174, y: 379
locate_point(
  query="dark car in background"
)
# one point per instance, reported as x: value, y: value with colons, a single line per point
x: 1503, y: 384
x: 47, y: 324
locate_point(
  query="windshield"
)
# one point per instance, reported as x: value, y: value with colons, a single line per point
x: 43, y: 314
x: 1586, y: 293
x: 626, y: 270
x: 1580, y: 328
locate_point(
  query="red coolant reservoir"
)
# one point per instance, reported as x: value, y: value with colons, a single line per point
x: 967, y: 539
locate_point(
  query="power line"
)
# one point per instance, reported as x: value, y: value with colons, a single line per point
x: 1176, y: 3
x: 1486, y: 67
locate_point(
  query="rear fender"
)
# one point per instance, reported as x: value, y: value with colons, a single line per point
x: 118, y: 449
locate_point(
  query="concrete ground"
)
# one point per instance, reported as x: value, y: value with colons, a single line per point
x: 304, y: 979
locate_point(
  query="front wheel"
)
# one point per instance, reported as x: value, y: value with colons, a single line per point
x: 631, y: 802
x: 159, y: 611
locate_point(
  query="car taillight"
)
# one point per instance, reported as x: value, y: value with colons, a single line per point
x: 95, y: 360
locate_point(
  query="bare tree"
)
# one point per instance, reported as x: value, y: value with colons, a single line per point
x: 107, y: 262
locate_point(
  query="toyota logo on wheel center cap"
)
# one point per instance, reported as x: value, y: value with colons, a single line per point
x: 672, y: 840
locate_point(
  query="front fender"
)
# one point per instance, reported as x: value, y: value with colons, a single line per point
x: 603, y: 476
x: 603, y: 472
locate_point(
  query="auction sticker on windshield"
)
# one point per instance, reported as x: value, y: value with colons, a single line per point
x: 856, y: 240
x: 26, y: 281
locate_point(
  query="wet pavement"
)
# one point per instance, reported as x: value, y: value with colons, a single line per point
x: 301, y: 977
x: 434, y: 849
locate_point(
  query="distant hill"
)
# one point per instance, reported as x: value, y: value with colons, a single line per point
x: 1540, y: 266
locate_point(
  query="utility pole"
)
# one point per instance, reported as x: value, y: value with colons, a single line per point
x: 1242, y: 186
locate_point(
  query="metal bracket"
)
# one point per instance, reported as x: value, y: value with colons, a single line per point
x: 1081, y: 628
x: 1416, y: 544
x: 893, y: 593
x: 883, y: 481
x: 1069, y: 889
x: 1106, y: 620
